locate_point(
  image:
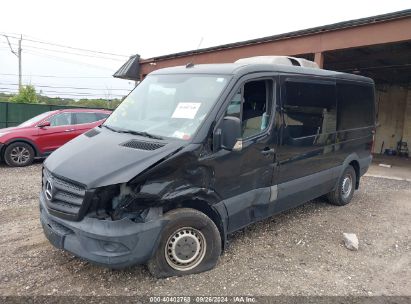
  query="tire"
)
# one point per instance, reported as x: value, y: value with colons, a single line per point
x: 344, y: 191
x: 19, y: 154
x: 190, y: 243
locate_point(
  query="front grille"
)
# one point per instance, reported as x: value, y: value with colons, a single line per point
x: 142, y: 145
x: 62, y: 196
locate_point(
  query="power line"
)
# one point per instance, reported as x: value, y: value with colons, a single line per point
x: 80, y: 94
x: 11, y: 48
x: 67, y: 60
x: 79, y: 49
x: 69, y: 47
x: 55, y: 76
x: 29, y: 47
x: 13, y: 44
x: 17, y: 54
x: 29, y: 50
x: 12, y: 34
x: 77, y: 88
x: 71, y: 93
x: 32, y: 47
x: 8, y: 90
x: 55, y: 58
x: 64, y: 59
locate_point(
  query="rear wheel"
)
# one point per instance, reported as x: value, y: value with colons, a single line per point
x: 344, y: 191
x: 19, y: 154
x: 190, y: 243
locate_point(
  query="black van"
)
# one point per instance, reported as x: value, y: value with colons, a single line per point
x: 197, y: 152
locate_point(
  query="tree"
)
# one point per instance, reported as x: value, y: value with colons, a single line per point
x: 4, y: 97
x: 27, y: 94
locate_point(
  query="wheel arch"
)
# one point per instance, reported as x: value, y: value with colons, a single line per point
x: 208, y: 210
x: 24, y: 140
x: 354, y: 161
x: 356, y: 165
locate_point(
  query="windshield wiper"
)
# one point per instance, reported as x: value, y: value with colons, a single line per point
x: 141, y: 133
x: 110, y: 128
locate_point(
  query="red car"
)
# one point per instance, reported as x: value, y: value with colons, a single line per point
x: 41, y: 135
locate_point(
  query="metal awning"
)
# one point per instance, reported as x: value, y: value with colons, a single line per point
x: 129, y: 70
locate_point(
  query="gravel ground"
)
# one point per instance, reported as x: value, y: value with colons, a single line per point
x: 299, y: 252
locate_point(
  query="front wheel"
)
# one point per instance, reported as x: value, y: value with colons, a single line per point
x: 19, y: 154
x: 344, y: 191
x: 190, y: 243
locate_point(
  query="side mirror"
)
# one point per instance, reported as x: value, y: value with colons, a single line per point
x: 44, y: 124
x: 228, y: 136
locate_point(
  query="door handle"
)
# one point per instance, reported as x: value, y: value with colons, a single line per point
x: 268, y: 151
x: 69, y: 130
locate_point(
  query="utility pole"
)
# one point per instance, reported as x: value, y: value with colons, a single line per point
x: 18, y: 55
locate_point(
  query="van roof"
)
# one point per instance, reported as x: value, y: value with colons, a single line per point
x: 240, y: 69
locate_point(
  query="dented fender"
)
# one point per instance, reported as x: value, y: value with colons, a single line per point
x: 180, y: 181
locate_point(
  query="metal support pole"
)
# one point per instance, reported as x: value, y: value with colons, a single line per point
x: 319, y: 59
x: 19, y: 56
x: 7, y: 114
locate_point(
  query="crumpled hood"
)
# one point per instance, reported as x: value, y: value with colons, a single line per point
x: 101, y: 160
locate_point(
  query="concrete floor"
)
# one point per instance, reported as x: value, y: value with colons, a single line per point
x: 400, y: 167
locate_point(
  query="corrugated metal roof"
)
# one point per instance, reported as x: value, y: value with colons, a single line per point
x: 310, y: 31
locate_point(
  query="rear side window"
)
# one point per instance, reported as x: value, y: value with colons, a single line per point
x: 355, y: 106
x: 101, y: 116
x: 83, y: 118
x: 309, y: 109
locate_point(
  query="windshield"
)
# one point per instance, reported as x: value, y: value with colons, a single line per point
x: 168, y: 105
x: 34, y: 119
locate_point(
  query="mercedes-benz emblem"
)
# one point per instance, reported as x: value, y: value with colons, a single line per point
x: 48, y: 191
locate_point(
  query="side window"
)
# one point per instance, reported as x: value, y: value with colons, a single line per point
x: 63, y: 119
x: 252, y: 105
x: 101, y: 116
x: 309, y: 109
x: 234, y: 108
x: 83, y: 118
x: 355, y: 106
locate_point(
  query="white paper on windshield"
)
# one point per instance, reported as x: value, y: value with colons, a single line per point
x: 179, y: 134
x: 186, y: 110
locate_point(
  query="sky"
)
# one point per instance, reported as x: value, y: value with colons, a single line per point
x: 118, y: 29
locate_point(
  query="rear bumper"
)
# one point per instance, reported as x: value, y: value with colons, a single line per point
x: 115, y: 244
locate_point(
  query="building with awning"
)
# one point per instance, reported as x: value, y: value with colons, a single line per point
x: 378, y: 47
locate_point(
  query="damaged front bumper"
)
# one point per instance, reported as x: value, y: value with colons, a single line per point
x: 115, y: 244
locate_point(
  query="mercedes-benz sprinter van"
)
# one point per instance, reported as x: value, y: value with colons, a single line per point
x: 197, y: 152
